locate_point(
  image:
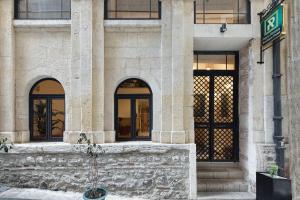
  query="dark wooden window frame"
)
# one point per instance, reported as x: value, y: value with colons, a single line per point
x: 247, y: 14
x: 48, y: 98
x: 106, y: 11
x: 132, y: 97
x: 17, y: 16
x: 235, y: 74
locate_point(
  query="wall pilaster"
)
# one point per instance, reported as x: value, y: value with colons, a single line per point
x: 98, y: 72
x: 7, y: 71
x: 177, y: 51
x: 294, y: 95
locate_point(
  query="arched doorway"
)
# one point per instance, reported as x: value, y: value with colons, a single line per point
x: 47, y: 111
x: 133, y: 110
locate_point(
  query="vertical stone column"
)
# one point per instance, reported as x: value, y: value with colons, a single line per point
x: 86, y: 89
x: 176, y: 77
x: 178, y: 52
x: 7, y: 71
x: 294, y: 94
x: 178, y: 65
x: 164, y: 136
x: 188, y: 105
x: 87, y: 69
x: 98, y: 71
x: 73, y: 125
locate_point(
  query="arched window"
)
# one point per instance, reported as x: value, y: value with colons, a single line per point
x: 133, y: 110
x: 47, y: 110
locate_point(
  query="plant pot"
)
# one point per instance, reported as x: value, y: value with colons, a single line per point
x: 100, y: 190
x: 272, y: 187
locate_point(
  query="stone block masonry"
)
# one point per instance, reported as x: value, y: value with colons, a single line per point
x: 152, y: 171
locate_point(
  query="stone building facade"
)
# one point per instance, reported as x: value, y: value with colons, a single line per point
x: 94, y: 56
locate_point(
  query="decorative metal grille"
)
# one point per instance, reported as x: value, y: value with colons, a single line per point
x: 223, y: 99
x: 202, y: 143
x: 201, y: 99
x: 215, y: 115
x: 223, y: 144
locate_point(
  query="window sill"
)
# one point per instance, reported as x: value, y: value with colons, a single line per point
x: 20, y: 23
x: 132, y: 23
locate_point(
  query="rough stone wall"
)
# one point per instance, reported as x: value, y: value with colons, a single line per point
x: 149, y: 171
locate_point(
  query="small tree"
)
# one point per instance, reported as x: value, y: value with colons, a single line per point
x: 92, y: 151
x: 4, y: 146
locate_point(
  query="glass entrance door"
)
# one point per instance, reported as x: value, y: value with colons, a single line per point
x: 47, y: 111
x: 133, y: 120
x: 216, y: 108
x: 48, y: 118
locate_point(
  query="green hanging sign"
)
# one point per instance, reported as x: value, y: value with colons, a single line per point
x: 272, y: 25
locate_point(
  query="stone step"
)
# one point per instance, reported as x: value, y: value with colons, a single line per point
x: 226, y: 196
x: 222, y: 185
x: 220, y: 173
x: 217, y: 164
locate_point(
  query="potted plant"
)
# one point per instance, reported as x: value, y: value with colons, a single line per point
x: 270, y: 186
x: 92, y: 152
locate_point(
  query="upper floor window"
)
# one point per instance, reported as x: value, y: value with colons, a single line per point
x: 132, y: 9
x: 222, y: 11
x: 42, y: 9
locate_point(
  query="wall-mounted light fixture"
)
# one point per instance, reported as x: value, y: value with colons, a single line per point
x: 223, y: 28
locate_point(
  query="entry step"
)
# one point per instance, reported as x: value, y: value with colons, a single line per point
x: 226, y: 196
x: 219, y: 173
x: 222, y: 185
x: 217, y: 164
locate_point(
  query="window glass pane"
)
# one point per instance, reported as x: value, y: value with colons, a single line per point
x: 124, y: 118
x: 230, y: 62
x: 44, y: 5
x: 243, y: 19
x: 133, y: 86
x: 132, y: 9
x: 66, y: 5
x: 44, y: 9
x: 212, y: 62
x: 39, y: 118
x: 221, y: 18
x: 221, y: 6
x: 58, y: 117
x: 154, y: 5
x: 243, y: 4
x: 22, y: 5
x: 221, y: 11
x: 195, y: 62
x: 48, y: 87
x: 142, y: 118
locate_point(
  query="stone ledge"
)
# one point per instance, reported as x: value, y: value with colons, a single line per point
x: 110, y: 148
x: 132, y: 25
x: 42, y: 24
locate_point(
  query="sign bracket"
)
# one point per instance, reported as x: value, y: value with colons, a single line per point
x: 269, y: 36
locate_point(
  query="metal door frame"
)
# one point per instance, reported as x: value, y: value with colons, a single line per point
x: 133, y: 98
x: 212, y: 125
x: 48, y: 98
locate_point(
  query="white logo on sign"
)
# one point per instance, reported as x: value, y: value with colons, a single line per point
x: 271, y: 23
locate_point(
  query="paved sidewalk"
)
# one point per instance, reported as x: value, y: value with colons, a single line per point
x: 34, y: 194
